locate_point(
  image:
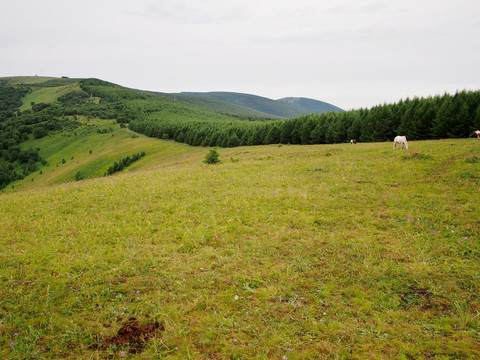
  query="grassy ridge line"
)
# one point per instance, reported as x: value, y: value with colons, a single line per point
x: 47, y: 95
x: 327, y: 251
x: 19, y: 80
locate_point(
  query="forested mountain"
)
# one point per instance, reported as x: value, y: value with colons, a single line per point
x: 283, y: 108
x: 221, y: 106
x: 310, y: 106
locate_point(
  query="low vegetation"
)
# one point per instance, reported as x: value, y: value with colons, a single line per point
x: 213, y: 157
x: 123, y: 163
x: 288, y: 252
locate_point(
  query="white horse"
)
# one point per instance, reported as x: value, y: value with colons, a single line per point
x: 400, y: 140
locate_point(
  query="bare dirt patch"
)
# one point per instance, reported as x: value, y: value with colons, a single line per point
x: 131, y: 336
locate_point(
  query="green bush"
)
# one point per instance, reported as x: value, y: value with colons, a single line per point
x: 212, y: 157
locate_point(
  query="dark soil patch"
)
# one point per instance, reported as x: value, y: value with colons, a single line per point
x: 415, y: 155
x: 131, y: 336
x: 417, y: 296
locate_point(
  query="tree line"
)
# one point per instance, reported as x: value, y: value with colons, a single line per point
x: 123, y: 163
x: 446, y: 116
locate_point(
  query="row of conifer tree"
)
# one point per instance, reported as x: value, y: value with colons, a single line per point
x: 123, y: 163
x: 446, y: 116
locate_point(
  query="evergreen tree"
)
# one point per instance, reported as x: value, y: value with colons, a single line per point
x: 422, y: 120
x: 443, y: 121
x: 286, y: 132
x: 476, y: 119
x: 462, y: 122
x: 273, y: 135
x: 233, y: 141
x: 384, y: 124
x: 354, y: 129
x: 212, y: 157
x: 305, y: 131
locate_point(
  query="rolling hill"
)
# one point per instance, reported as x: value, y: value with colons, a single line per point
x: 36, y: 110
x: 311, y: 106
x: 283, y: 108
x: 54, y: 130
x: 222, y: 106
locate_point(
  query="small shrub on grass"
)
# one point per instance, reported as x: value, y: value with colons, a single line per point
x: 468, y: 175
x: 212, y: 157
x: 473, y: 160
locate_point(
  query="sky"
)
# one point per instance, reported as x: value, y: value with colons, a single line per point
x: 352, y: 54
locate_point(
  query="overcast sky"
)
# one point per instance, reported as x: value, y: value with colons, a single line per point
x: 349, y: 53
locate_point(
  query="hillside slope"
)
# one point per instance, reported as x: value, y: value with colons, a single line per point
x: 91, y: 149
x: 38, y: 114
x: 297, y: 252
x: 283, y: 108
x: 221, y: 105
x: 310, y: 105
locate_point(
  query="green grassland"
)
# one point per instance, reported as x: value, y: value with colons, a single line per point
x: 19, y: 80
x: 47, y: 95
x: 279, y: 252
x: 91, y: 149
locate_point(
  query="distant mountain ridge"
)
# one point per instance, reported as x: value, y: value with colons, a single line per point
x: 283, y: 108
x: 310, y: 105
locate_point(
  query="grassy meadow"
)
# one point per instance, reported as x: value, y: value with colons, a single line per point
x: 279, y: 252
x: 91, y: 149
x: 47, y: 95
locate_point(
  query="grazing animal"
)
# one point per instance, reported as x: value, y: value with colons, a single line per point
x: 353, y: 141
x: 477, y: 133
x: 400, y: 140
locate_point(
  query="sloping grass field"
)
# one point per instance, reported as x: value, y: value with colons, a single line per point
x: 47, y: 95
x: 91, y: 149
x: 279, y: 252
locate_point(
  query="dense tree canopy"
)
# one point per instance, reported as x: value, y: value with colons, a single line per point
x: 447, y: 116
